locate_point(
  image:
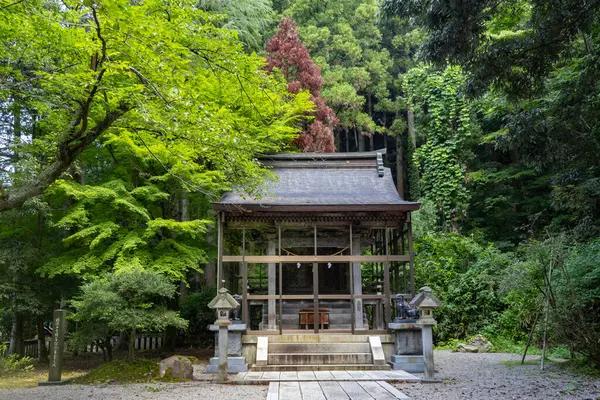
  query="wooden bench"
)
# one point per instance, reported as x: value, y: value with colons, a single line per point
x: 307, y: 317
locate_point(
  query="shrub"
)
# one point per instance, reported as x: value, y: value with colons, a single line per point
x: 14, y: 364
x: 194, y: 308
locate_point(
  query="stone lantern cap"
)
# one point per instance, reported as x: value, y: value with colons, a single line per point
x: 223, y: 300
x: 425, y: 299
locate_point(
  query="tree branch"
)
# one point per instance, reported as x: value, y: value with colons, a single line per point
x: 68, y: 151
x: 12, y: 4
x: 147, y: 82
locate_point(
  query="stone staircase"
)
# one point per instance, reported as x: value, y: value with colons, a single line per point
x: 340, y: 313
x: 314, y: 352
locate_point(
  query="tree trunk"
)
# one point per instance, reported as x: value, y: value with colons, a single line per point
x: 400, y: 166
x: 17, y: 343
x: 169, y: 338
x: 107, y: 349
x: 411, y: 126
x: 131, y: 352
x: 360, y: 142
x: 347, y: 140
x: 184, y: 203
x: 41, y: 334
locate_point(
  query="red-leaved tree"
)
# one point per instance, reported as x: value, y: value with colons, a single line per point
x: 286, y: 52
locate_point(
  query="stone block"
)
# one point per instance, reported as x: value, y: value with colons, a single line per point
x: 377, y: 350
x: 408, y: 342
x: 262, y: 350
x: 410, y: 363
x: 234, y: 365
x: 234, y: 339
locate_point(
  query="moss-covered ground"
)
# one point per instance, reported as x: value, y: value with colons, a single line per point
x: 89, y: 369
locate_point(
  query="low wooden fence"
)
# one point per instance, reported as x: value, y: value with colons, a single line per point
x: 31, y: 348
x: 143, y: 342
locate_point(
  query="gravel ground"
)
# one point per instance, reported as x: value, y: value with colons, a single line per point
x: 175, y: 391
x: 486, y: 377
x: 465, y: 376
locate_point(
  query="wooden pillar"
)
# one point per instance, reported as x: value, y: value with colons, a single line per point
x: 351, y: 284
x: 271, y: 303
x: 357, y: 286
x: 280, y: 280
x: 315, y: 286
x: 405, y: 288
x: 245, y: 316
x: 411, y: 255
x: 386, y: 281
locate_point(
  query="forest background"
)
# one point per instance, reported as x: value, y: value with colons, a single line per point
x: 122, y: 122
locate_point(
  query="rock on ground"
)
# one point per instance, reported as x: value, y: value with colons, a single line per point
x: 468, y: 376
x: 177, y: 366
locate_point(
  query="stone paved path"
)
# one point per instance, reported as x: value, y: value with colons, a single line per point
x: 333, y: 390
x: 302, y: 376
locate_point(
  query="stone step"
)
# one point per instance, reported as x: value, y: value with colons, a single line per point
x: 320, y: 367
x: 319, y: 358
x: 324, y: 337
x: 278, y: 348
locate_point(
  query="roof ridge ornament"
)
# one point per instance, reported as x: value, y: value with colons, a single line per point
x: 380, y: 169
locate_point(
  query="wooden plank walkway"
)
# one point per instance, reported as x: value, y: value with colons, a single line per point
x: 324, y: 376
x: 334, y: 390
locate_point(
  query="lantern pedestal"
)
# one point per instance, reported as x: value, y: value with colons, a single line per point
x: 427, y: 302
x: 428, y: 353
x: 236, y: 363
x: 223, y: 303
x: 409, y: 347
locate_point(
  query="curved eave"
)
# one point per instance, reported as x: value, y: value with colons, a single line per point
x: 316, y: 208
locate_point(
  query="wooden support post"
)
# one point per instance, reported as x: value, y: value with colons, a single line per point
x: 357, y: 286
x: 386, y: 281
x: 405, y: 288
x: 272, y: 284
x: 245, y: 316
x: 351, y: 275
x: 280, y: 280
x: 411, y: 256
x: 315, y: 286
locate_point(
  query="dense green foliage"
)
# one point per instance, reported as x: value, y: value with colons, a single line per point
x: 123, y: 121
x: 444, y: 115
x: 131, y: 301
x: 531, y: 72
x: 129, y: 119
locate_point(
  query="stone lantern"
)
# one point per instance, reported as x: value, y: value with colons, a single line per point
x: 427, y: 302
x: 223, y: 303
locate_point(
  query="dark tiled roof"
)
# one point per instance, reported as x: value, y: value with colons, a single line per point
x: 324, y: 180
